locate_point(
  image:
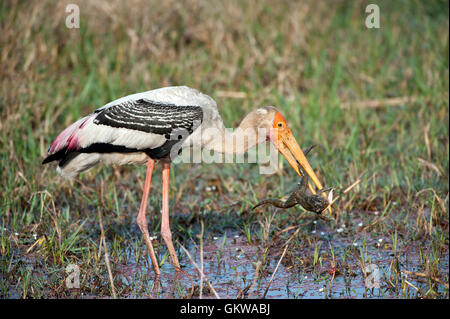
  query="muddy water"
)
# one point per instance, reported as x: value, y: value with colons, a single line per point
x: 230, y: 262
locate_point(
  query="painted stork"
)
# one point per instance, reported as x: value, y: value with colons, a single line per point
x: 140, y: 128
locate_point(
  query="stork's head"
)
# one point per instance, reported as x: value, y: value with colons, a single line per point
x: 278, y: 132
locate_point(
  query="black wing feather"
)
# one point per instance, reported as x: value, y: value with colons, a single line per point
x: 151, y: 117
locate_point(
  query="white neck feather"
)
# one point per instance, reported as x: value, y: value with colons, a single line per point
x: 253, y: 130
x: 238, y: 141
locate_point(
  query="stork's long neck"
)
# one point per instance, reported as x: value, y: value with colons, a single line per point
x: 235, y: 141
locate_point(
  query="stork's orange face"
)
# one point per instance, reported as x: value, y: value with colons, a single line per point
x: 286, y: 144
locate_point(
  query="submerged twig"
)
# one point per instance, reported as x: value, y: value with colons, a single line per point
x: 199, y: 270
x: 255, y: 278
x: 105, y: 249
x: 201, y: 259
x: 274, y: 272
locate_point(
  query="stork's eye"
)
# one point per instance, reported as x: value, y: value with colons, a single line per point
x: 280, y: 124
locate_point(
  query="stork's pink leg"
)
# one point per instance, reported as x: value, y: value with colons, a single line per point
x: 165, y: 226
x: 142, y: 220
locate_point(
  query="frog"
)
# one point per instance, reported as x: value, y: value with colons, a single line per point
x: 300, y: 195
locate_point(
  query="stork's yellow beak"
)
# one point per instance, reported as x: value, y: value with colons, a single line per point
x: 286, y: 144
x: 291, y: 151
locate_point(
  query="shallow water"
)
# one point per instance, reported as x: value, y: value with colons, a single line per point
x: 229, y: 265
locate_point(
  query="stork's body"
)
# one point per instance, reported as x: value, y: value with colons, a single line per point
x: 153, y: 126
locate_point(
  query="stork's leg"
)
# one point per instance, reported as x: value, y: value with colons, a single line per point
x: 165, y: 226
x: 142, y: 220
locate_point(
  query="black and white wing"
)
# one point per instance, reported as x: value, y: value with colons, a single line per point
x: 150, y: 117
x: 148, y: 126
x: 150, y: 122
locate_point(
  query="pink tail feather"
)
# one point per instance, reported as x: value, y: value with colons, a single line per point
x: 68, y: 137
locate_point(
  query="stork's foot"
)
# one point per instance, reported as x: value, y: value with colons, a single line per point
x: 167, y: 236
x: 142, y: 223
x: 156, y: 287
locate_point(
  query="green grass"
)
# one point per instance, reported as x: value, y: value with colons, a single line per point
x: 306, y: 58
